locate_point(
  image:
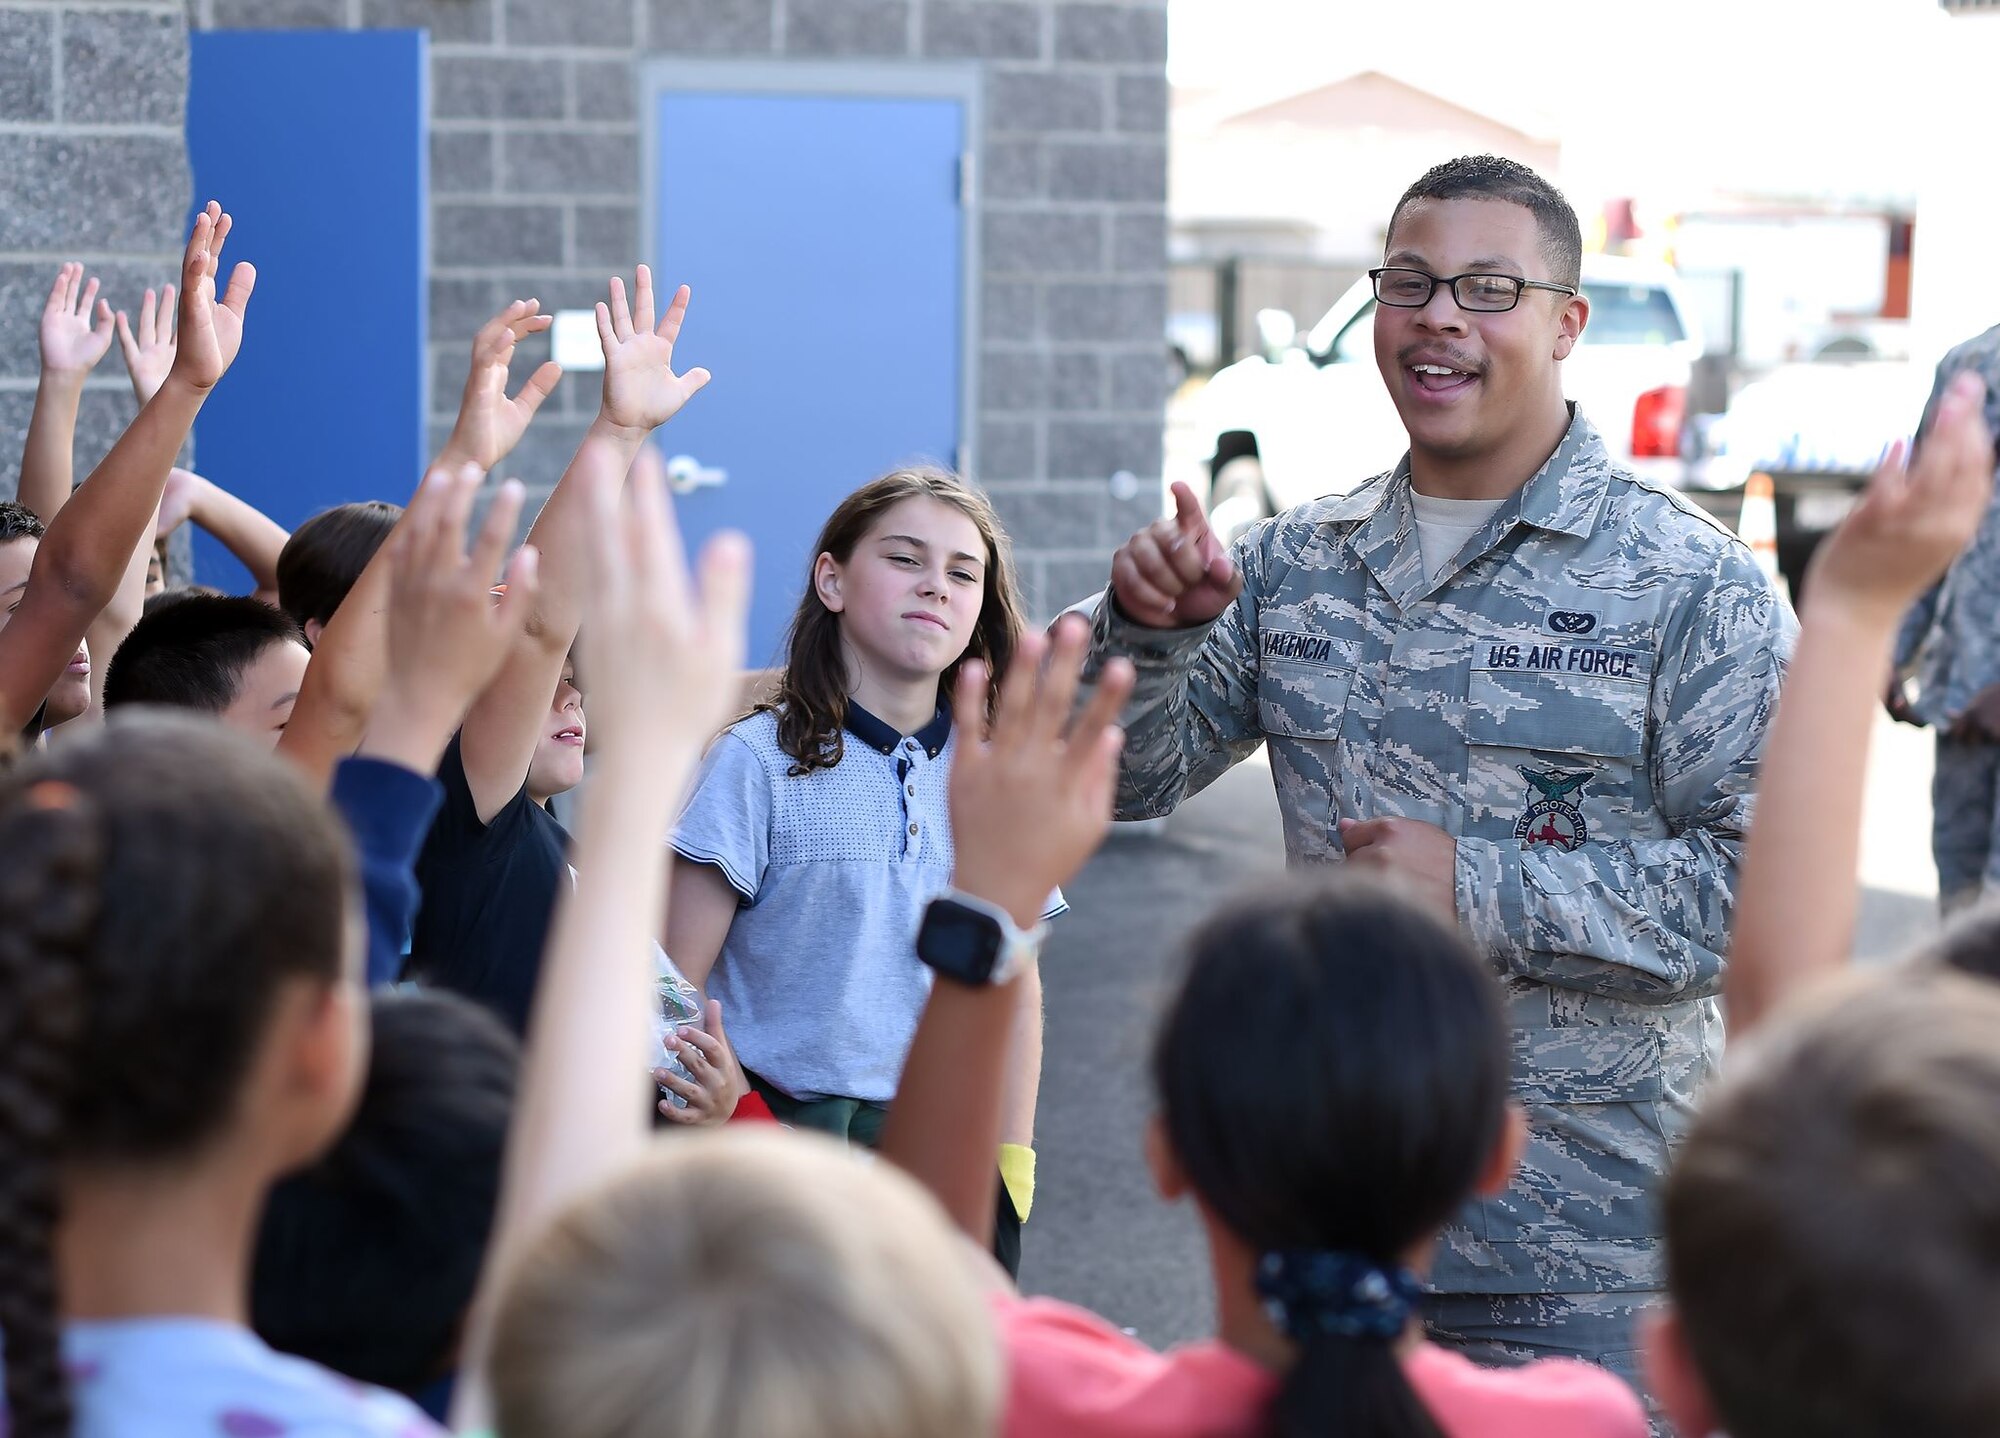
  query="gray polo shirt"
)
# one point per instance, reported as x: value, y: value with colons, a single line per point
x: 819, y: 980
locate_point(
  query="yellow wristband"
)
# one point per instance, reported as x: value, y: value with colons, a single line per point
x: 1017, y: 1171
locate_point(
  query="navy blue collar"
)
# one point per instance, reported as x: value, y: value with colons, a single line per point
x: 884, y: 740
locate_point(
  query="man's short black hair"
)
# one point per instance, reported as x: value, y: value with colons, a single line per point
x: 367, y: 1260
x: 191, y: 654
x: 326, y: 554
x: 1490, y: 177
x: 17, y: 521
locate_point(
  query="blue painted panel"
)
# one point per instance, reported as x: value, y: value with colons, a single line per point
x: 317, y: 143
x: 822, y: 237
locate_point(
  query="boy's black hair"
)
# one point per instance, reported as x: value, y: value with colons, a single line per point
x: 174, y: 596
x: 1368, y: 1096
x: 1969, y: 943
x: 17, y: 521
x: 191, y: 654
x: 326, y: 554
x: 1489, y: 177
x: 367, y: 1261
x: 165, y: 881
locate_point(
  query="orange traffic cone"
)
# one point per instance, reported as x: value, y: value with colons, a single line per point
x: 1757, y: 525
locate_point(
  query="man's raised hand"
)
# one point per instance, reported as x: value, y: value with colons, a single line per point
x: 641, y: 390
x: 489, y: 423
x: 211, y: 330
x: 149, y: 353
x: 1175, y: 573
x: 76, y: 325
x: 1031, y: 792
x: 1911, y: 522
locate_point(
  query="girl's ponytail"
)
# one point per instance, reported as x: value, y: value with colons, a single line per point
x: 49, y: 887
x: 1343, y: 1313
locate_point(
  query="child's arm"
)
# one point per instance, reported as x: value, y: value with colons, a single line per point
x: 665, y: 654
x: 1795, y: 909
x: 704, y: 905
x: 71, y: 347
x: 91, y: 542
x: 1029, y: 805
x: 641, y: 393
x: 240, y: 527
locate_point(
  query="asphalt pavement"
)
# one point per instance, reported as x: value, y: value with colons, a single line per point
x: 1099, y: 1236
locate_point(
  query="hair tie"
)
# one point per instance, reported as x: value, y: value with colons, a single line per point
x: 1308, y: 1292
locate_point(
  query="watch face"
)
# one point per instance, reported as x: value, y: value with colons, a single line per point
x: 959, y: 943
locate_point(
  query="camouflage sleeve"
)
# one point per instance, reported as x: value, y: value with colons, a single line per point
x: 1647, y: 920
x: 1193, y: 712
x: 1916, y: 627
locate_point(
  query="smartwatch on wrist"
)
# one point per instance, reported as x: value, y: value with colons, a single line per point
x: 974, y: 943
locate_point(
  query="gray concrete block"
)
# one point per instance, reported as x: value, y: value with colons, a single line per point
x: 80, y: 193
x: 607, y: 236
x: 982, y: 30
x: 1049, y: 516
x: 710, y: 27
x: 1008, y: 449
x: 497, y: 87
x: 1068, y: 578
x: 452, y: 21
x: 605, y: 89
x: 1128, y: 34
x: 1042, y: 242
x: 24, y: 290
x: 463, y: 162
x: 1130, y: 170
x: 544, y: 452
x: 569, y: 22
x: 847, y: 27
x: 124, y: 67
x: 569, y: 162
x: 1131, y: 311
x: 1139, y: 240
x: 1124, y: 518
x: 1096, y: 449
x: 100, y: 419
x: 1013, y: 380
x: 1142, y: 102
x: 1007, y: 311
x: 1012, y: 170
x: 1077, y: 382
x: 560, y: 291
x: 278, y: 14
x: 1139, y: 379
x: 460, y: 306
x: 482, y: 235
x: 1044, y: 100
x: 27, y: 65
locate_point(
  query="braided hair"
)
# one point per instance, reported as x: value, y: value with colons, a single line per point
x: 163, y: 881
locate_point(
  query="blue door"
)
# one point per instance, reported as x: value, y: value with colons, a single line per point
x: 316, y: 142
x: 822, y: 235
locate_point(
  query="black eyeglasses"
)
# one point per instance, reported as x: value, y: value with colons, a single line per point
x: 1484, y: 292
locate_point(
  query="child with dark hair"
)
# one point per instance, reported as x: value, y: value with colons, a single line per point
x: 1362, y: 1101
x: 830, y: 799
x: 21, y: 534
x: 366, y: 1261
x: 325, y: 556
x: 236, y: 658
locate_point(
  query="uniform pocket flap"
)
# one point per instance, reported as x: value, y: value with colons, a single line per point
x: 1302, y: 701
x: 1588, y: 1063
x: 1563, y: 714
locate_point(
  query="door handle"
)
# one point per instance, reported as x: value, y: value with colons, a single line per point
x: 686, y: 474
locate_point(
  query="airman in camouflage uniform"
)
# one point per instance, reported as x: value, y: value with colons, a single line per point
x: 1951, y: 643
x: 1572, y: 708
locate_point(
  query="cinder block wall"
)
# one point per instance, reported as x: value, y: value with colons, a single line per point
x: 93, y: 167
x: 535, y: 173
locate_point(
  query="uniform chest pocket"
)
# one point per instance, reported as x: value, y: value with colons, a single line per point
x: 1302, y: 701
x: 1556, y: 712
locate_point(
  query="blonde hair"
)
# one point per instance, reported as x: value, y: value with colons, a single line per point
x: 748, y: 1284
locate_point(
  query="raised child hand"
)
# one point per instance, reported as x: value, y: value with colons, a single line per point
x: 1031, y: 799
x: 641, y: 390
x: 211, y: 332
x: 489, y: 423
x: 1910, y: 524
x: 71, y: 343
x: 662, y: 653
x: 149, y: 353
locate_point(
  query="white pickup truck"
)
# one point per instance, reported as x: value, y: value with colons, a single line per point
x: 1314, y: 417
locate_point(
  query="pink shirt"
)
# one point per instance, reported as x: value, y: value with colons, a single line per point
x: 1072, y: 1375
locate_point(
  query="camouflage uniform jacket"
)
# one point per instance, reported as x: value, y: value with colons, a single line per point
x: 1952, y: 636
x: 1579, y: 700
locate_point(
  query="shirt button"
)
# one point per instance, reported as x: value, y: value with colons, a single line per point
x: 913, y: 831
x: 911, y: 790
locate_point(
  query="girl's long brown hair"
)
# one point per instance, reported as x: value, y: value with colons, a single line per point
x: 811, y: 700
